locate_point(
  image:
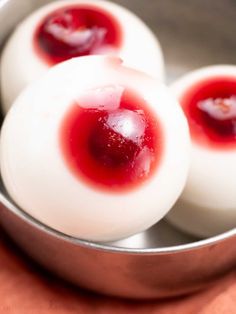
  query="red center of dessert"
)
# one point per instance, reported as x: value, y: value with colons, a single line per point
x: 111, y: 139
x: 76, y: 31
x: 210, y: 107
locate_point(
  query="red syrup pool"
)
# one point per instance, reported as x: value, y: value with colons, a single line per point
x: 116, y: 145
x: 76, y: 31
x: 210, y: 106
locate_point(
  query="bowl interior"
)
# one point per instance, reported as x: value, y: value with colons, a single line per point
x: 192, y: 34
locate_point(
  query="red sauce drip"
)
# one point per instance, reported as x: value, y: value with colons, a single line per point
x: 76, y: 31
x: 210, y: 107
x: 114, y: 146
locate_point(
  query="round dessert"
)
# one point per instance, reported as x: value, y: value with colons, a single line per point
x: 66, y: 29
x: 100, y: 158
x: 208, y: 204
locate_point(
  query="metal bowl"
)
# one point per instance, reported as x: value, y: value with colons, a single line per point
x: 162, y: 261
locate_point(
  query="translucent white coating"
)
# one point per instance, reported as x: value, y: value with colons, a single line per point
x: 20, y: 65
x: 208, y: 203
x: 40, y: 182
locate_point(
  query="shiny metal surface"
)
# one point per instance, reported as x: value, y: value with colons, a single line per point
x: 160, y: 262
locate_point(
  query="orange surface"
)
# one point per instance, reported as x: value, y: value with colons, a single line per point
x: 26, y: 289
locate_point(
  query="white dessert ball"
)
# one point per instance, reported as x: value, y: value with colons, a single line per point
x: 208, y: 204
x: 65, y: 29
x: 99, y: 158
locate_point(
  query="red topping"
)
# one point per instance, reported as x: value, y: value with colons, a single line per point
x: 76, y: 31
x: 111, y: 139
x: 210, y: 107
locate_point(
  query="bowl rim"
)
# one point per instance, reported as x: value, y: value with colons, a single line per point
x: 108, y: 248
